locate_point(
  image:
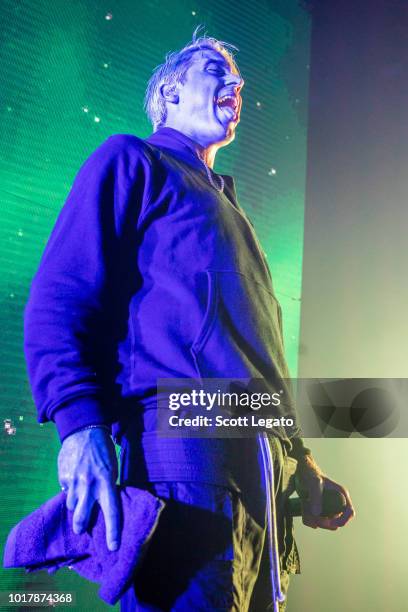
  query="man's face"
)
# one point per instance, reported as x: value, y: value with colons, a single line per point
x: 209, y: 99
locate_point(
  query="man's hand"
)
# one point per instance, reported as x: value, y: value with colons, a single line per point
x: 87, y: 470
x: 310, y: 484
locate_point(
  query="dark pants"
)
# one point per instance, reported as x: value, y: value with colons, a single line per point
x: 209, y: 552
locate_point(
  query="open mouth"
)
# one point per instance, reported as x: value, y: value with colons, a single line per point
x: 229, y: 103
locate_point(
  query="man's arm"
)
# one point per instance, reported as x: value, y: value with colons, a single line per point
x: 69, y: 311
x: 68, y: 317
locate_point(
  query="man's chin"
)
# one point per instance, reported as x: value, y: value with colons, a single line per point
x: 229, y: 133
x: 229, y: 126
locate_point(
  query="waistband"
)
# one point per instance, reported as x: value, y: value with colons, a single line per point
x: 235, y: 463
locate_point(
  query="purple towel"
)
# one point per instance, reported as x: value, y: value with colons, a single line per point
x: 45, y: 540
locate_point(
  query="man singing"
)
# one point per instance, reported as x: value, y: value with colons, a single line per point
x: 154, y: 271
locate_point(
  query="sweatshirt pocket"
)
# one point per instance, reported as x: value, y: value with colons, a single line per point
x: 209, y: 316
x: 240, y: 333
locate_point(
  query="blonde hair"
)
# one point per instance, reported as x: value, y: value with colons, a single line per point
x: 172, y: 72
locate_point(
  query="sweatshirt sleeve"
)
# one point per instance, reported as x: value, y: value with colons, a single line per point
x: 72, y: 295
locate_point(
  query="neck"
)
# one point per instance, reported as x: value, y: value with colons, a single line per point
x: 207, y: 154
x: 205, y: 151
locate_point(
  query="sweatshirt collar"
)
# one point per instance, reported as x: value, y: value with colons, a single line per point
x: 175, y: 140
x: 179, y: 143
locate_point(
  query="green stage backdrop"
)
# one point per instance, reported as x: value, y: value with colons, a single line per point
x: 72, y: 73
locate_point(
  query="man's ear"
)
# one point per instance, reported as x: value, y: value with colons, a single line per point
x: 170, y: 93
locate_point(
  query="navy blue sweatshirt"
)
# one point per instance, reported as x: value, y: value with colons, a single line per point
x: 150, y: 272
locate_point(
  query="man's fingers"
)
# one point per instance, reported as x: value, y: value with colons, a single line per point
x: 309, y: 521
x: 348, y: 512
x: 325, y: 522
x: 330, y: 522
x: 321, y: 522
x: 345, y: 516
x: 109, y: 503
x: 82, y: 511
x: 72, y: 498
x: 81, y: 502
x: 313, y: 505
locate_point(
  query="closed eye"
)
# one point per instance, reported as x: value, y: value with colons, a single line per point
x: 215, y: 67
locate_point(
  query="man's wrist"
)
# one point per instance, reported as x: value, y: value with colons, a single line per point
x: 96, y: 426
x: 299, y: 451
x: 80, y: 412
x: 86, y: 427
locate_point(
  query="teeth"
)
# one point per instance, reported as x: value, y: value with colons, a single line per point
x: 225, y: 98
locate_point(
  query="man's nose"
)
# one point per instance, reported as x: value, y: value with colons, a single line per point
x: 236, y: 80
